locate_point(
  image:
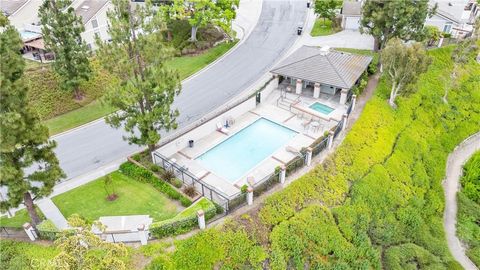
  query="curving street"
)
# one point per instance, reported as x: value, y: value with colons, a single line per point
x: 97, y: 145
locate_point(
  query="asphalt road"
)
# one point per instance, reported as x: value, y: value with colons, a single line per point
x: 96, y: 145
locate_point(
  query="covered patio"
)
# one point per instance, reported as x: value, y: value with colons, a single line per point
x: 320, y: 73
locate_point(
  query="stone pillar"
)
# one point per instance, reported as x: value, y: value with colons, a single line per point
x: 30, y: 231
x: 298, y: 89
x: 283, y: 171
x: 309, y: 156
x: 354, y: 101
x: 153, y: 158
x: 249, y: 195
x: 142, y: 234
x: 343, y: 96
x: 330, y: 139
x: 316, y: 90
x: 440, y: 42
x: 345, y: 120
x: 201, y: 219
x: 275, y: 81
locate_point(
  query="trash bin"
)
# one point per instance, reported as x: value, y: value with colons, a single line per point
x: 308, y: 4
x: 299, y: 30
x: 190, y: 143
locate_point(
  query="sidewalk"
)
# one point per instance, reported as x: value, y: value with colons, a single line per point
x: 51, y: 212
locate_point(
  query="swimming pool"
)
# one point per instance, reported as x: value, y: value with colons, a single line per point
x: 234, y: 157
x: 322, y: 108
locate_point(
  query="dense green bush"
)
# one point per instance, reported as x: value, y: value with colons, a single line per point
x: 185, y: 221
x: 141, y: 174
x: 468, y: 216
x: 47, y: 230
x: 24, y: 255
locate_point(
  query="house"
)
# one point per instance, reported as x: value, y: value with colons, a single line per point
x: 321, y: 72
x: 351, y: 14
x: 21, y: 12
x: 94, y: 19
x: 455, y: 17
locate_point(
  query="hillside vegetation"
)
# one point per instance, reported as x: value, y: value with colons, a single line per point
x: 376, y: 203
x: 468, y: 219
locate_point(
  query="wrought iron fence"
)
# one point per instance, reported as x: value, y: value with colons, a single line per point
x: 12, y: 232
x: 318, y: 148
x: 189, y: 179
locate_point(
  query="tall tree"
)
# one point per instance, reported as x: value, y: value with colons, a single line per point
x: 28, y: 165
x: 137, y: 55
x: 61, y: 29
x: 403, y: 64
x: 203, y: 12
x: 82, y: 249
x: 326, y: 9
x: 388, y: 19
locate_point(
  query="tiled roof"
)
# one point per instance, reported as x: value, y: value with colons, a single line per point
x: 88, y: 8
x: 339, y: 69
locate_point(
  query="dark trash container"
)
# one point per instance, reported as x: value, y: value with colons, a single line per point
x: 299, y: 30
x: 190, y: 143
x: 308, y: 4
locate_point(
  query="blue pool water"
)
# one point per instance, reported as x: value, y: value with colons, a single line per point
x: 237, y: 155
x: 319, y: 107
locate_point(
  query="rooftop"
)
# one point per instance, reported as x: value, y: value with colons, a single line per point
x: 322, y: 65
x: 88, y: 8
x: 451, y: 9
x: 9, y: 7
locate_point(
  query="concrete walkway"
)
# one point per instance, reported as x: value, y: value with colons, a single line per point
x: 451, y: 185
x: 51, y: 212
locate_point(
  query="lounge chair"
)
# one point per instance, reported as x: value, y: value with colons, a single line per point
x: 222, y: 129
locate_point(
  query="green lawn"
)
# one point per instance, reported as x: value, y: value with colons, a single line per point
x: 322, y: 28
x: 26, y: 255
x: 78, y: 117
x: 186, y: 66
x: 134, y: 198
x: 20, y: 218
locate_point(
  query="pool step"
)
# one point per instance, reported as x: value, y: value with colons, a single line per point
x: 286, y: 103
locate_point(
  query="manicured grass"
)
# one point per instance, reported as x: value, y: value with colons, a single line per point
x: 134, y: 198
x: 203, y: 203
x: 322, y: 28
x: 21, y: 217
x: 78, y: 117
x: 80, y: 114
x: 188, y: 65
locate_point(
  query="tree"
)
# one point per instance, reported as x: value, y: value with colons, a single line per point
x: 80, y: 248
x: 147, y: 88
x: 203, y: 12
x: 61, y: 29
x: 388, y: 19
x: 403, y: 64
x: 28, y: 165
x: 326, y: 9
x: 432, y: 34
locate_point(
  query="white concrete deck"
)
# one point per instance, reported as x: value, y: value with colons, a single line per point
x: 294, y: 119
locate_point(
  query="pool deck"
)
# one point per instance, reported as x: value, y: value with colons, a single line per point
x: 267, y: 109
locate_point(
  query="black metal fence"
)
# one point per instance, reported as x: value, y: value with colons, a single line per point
x: 189, y: 179
x: 13, y: 232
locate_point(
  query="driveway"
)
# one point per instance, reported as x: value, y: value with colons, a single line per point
x: 451, y: 185
x: 96, y: 145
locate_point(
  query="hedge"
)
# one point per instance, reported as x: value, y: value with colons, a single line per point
x: 146, y: 176
x: 184, y: 221
x: 47, y: 230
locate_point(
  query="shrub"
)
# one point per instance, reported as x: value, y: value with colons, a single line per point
x: 244, y: 188
x: 141, y: 174
x: 184, y: 221
x: 177, y: 183
x: 47, y: 230
x: 190, y: 191
x: 168, y: 175
x: 155, y: 168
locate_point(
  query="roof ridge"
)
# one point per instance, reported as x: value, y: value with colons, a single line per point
x: 289, y: 64
x: 336, y: 71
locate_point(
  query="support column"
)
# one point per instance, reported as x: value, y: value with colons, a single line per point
x: 343, y: 96
x: 275, y: 81
x: 298, y: 89
x: 249, y: 195
x: 142, y: 234
x: 354, y: 102
x: 330, y: 139
x: 201, y: 219
x: 440, y: 42
x: 316, y: 90
x: 309, y: 156
x: 345, y: 120
x: 153, y: 158
x: 283, y: 171
x: 30, y: 231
